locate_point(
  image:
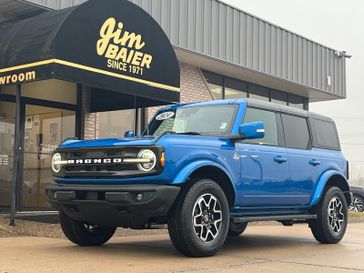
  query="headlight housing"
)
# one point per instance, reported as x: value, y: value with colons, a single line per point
x: 149, y: 155
x: 56, y: 162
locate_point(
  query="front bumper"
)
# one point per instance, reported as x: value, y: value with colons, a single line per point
x: 113, y: 205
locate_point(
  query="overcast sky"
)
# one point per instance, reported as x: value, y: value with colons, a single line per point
x: 339, y: 25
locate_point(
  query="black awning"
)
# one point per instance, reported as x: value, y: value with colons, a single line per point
x: 109, y: 45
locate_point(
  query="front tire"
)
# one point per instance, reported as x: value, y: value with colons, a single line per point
x: 83, y: 234
x: 199, y: 220
x: 332, y: 217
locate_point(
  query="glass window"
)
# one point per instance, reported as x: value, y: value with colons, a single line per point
x: 44, y: 129
x: 235, y: 89
x: 7, y: 128
x: 326, y: 134
x: 296, y: 101
x: 279, y: 97
x: 296, y: 132
x: 258, y: 92
x: 114, y: 124
x: 270, y: 125
x: 215, y: 83
x: 216, y: 119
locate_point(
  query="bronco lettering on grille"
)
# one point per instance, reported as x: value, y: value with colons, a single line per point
x: 94, y: 161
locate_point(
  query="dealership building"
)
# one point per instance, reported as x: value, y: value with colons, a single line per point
x: 98, y: 68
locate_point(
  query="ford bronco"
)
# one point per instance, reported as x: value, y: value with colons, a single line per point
x: 206, y: 170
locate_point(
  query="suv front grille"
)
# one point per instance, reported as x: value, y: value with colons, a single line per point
x: 105, y: 162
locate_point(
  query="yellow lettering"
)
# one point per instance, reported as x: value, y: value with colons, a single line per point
x: 137, y: 58
x: 30, y: 76
x: 112, y: 51
x: 106, y: 33
x: 130, y: 56
x: 21, y: 77
x: 109, y: 32
x: 109, y: 63
x: 147, y: 60
x: 123, y: 54
x: 14, y: 78
x: 131, y: 40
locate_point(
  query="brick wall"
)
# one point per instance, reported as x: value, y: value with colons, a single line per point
x: 91, y: 120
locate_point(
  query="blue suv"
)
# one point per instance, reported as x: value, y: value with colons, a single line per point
x: 206, y: 169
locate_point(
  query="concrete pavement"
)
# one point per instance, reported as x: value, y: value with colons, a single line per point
x: 260, y: 249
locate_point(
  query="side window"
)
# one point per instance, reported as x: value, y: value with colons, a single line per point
x: 296, y: 132
x: 270, y: 125
x: 326, y: 134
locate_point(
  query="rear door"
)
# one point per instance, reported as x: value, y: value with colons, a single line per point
x: 304, y: 162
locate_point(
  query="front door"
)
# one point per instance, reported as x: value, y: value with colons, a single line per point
x: 264, y: 166
x: 7, y: 128
x: 44, y: 130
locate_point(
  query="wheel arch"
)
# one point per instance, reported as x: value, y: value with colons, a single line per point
x: 329, y: 179
x: 208, y: 170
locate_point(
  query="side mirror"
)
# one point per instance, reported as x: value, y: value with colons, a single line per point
x: 252, y: 130
x: 129, y: 134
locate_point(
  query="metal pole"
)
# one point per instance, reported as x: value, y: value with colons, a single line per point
x: 16, y: 157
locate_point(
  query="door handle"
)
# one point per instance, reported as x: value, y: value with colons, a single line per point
x: 280, y: 159
x: 314, y: 162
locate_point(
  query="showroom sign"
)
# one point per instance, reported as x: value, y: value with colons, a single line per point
x: 111, y: 45
x: 17, y: 78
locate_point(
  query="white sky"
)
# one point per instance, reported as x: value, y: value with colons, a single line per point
x: 339, y: 25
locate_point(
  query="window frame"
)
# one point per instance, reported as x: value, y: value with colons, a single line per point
x: 235, y: 106
x: 280, y: 133
x: 315, y: 140
x: 309, y: 127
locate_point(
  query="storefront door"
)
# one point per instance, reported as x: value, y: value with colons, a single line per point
x: 44, y: 130
x: 7, y: 127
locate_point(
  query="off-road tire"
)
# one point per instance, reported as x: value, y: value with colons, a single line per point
x: 236, y: 229
x: 80, y: 233
x: 181, y: 225
x: 321, y: 227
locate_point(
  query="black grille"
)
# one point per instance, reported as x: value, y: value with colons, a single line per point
x: 97, y: 169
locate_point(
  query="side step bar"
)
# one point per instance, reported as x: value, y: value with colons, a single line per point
x: 274, y: 218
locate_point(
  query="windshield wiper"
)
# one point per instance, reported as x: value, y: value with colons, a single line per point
x: 190, y: 133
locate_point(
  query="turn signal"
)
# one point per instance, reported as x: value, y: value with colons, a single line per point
x: 163, y: 159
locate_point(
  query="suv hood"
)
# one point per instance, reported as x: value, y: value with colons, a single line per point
x: 107, y: 142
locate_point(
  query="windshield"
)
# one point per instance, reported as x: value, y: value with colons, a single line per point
x: 212, y: 119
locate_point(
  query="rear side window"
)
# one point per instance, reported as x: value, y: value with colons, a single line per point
x: 296, y: 132
x: 270, y: 125
x: 326, y: 134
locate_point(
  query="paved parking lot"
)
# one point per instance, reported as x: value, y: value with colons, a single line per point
x: 262, y: 249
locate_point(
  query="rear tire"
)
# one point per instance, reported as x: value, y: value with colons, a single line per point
x: 332, y: 217
x: 236, y: 229
x: 83, y: 234
x: 199, y: 220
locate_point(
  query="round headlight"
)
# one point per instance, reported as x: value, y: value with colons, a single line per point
x: 56, y: 159
x: 148, y: 166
